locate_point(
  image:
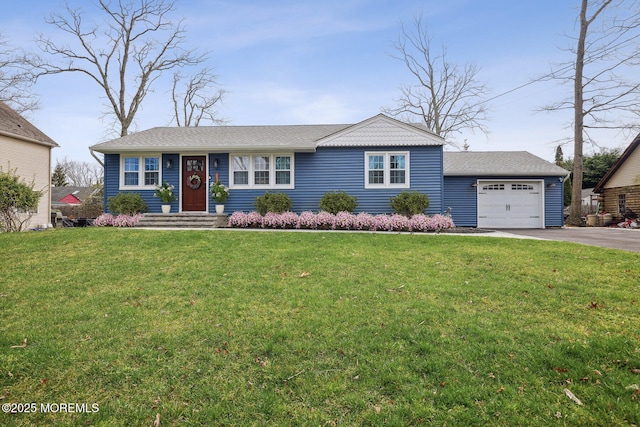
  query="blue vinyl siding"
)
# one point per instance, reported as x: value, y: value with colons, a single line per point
x: 112, y: 181
x: 328, y: 169
x: 461, y: 197
x: 342, y: 169
x: 553, y: 202
x: 111, y: 176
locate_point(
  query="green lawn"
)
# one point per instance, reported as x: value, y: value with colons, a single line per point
x: 274, y: 328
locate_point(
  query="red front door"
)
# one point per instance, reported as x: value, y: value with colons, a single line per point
x: 194, y: 183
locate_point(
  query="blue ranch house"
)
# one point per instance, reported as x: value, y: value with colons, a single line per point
x: 372, y: 160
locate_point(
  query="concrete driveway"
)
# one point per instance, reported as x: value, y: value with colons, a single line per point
x: 615, y: 238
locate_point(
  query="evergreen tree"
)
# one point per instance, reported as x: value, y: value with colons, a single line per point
x: 59, y: 177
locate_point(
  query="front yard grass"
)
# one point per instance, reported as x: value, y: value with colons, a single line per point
x: 277, y: 328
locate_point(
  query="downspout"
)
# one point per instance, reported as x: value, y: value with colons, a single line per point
x: 93, y: 154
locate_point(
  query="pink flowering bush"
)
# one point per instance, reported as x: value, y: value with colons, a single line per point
x: 308, y: 220
x: 122, y: 220
x: 104, y: 220
x: 399, y: 223
x: 440, y: 222
x: 254, y: 219
x: 343, y: 221
x: 325, y: 220
x: 340, y: 221
x: 382, y: 223
x: 238, y: 220
x: 289, y: 220
x: 419, y: 222
x: 364, y: 221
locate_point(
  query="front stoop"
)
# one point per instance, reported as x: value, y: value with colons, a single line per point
x: 183, y: 220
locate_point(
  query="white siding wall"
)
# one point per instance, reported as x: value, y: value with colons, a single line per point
x: 628, y: 173
x: 32, y: 162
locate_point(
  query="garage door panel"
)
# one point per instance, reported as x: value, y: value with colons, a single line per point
x: 510, y: 204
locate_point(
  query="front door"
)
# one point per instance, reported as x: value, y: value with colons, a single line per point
x: 194, y: 183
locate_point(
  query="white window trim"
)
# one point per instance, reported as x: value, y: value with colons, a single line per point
x: 272, y: 171
x: 140, y: 158
x: 387, y: 169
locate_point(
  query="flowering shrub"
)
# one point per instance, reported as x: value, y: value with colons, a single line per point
x: 104, y: 220
x: 381, y: 223
x: 122, y: 220
x: 308, y: 220
x: 288, y: 220
x: 325, y: 220
x: 341, y: 221
x: 238, y: 220
x: 440, y: 222
x: 364, y: 221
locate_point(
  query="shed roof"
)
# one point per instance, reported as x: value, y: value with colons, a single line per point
x: 14, y: 125
x: 498, y: 163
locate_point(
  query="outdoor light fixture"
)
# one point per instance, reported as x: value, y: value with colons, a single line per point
x: 551, y: 184
x: 474, y: 184
x: 215, y: 163
x: 169, y: 164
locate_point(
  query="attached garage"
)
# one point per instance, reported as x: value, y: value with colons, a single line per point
x: 510, y: 204
x: 503, y: 189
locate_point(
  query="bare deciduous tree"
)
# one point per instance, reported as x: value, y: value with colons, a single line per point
x: 198, y: 99
x: 446, y: 97
x: 15, y: 79
x: 124, y: 57
x: 605, y: 53
x: 80, y: 174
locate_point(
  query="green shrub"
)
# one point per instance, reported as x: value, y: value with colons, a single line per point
x: 127, y: 203
x: 338, y: 201
x: 409, y: 203
x: 18, y: 201
x: 272, y: 202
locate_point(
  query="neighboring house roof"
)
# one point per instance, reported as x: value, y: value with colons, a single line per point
x: 71, y: 195
x: 378, y: 130
x: 498, y: 163
x: 15, y: 126
x: 628, y: 154
x: 70, y: 199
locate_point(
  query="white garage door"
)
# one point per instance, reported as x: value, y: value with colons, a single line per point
x: 510, y: 204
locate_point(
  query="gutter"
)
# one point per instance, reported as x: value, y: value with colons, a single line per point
x: 51, y: 144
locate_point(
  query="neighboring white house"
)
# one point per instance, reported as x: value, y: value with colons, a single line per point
x: 27, y: 150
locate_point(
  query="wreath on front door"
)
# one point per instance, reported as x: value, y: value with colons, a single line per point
x: 194, y: 182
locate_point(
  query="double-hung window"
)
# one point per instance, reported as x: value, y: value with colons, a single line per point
x: 140, y: 171
x: 262, y: 171
x: 386, y: 170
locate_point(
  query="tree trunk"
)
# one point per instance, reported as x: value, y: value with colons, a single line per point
x: 575, y: 214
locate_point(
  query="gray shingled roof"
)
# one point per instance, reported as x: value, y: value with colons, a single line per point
x: 222, y: 138
x: 82, y: 193
x: 14, y: 125
x: 377, y: 130
x: 498, y: 163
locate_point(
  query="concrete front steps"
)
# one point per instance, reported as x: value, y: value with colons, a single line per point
x: 183, y: 220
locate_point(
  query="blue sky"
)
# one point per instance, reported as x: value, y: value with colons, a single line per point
x: 295, y: 62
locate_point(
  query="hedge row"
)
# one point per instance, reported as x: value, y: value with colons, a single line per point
x: 340, y: 221
x: 122, y: 220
